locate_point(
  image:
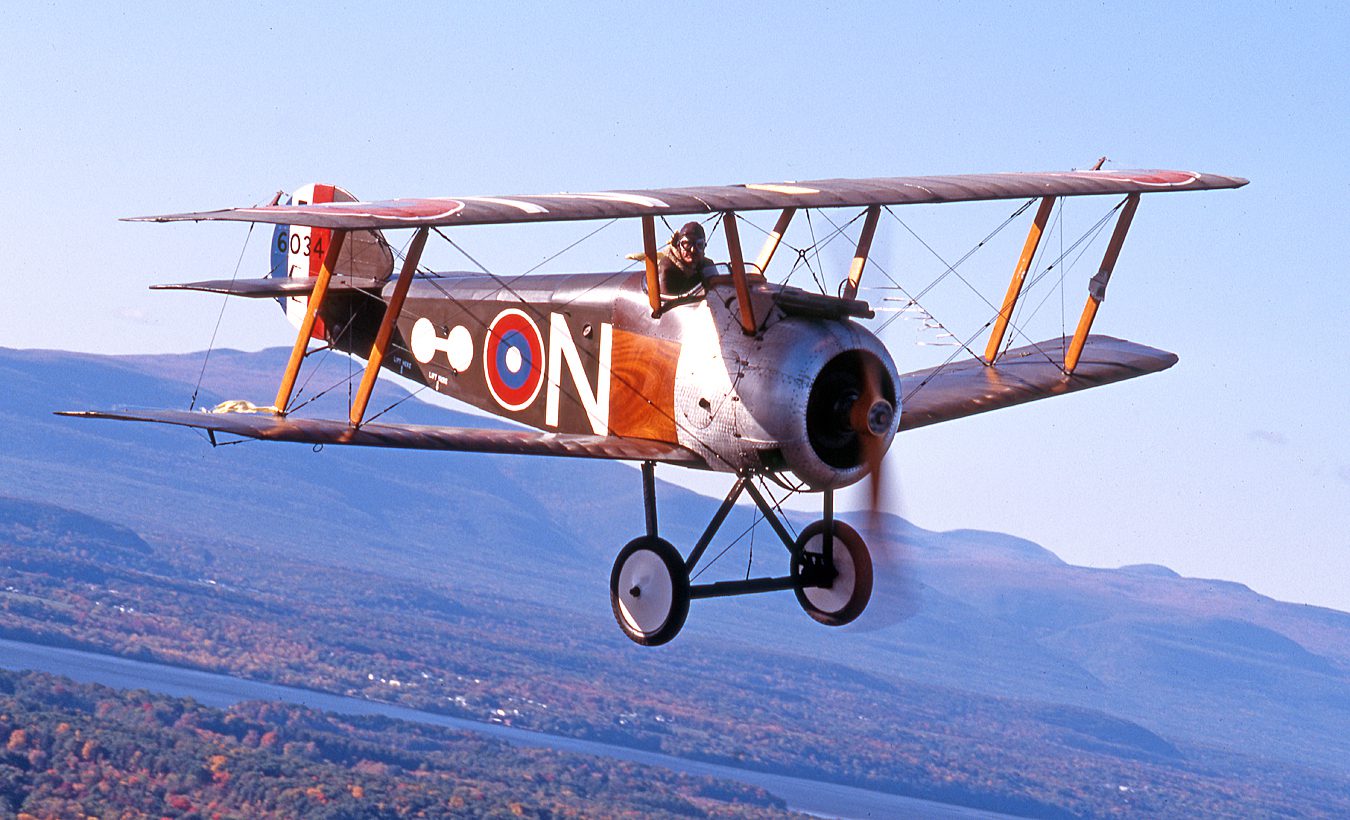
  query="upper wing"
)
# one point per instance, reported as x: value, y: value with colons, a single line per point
x: 1022, y: 374
x: 825, y: 193
x: 269, y: 427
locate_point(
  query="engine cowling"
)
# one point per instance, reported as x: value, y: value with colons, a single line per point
x: 801, y: 398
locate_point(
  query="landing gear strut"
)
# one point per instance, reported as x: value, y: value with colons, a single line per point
x: 830, y: 569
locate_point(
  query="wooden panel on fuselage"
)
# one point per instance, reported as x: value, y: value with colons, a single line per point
x: 642, y: 390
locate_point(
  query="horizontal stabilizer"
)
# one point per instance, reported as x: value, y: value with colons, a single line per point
x: 274, y: 287
x: 269, y: 427
x: 823, y: 193
x: 1021, y: 375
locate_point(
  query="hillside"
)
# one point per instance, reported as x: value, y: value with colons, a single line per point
x: 1021, y: 683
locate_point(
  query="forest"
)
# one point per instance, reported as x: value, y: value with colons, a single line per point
x: 426, y: 644
x: 69, y: 750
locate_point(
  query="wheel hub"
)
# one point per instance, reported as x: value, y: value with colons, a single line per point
x: 649, y: 591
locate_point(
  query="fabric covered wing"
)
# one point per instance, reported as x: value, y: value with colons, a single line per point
x: 268, y: 427
x: 274, y: 287
x: 1022, y: 374
x: 826, y: 193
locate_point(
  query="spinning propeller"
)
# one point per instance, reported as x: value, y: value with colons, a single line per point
x: 871, y: 419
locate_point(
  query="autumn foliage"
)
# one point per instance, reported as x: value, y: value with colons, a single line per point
x: 84, y: 750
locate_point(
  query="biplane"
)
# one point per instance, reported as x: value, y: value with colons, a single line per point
x: 766, y: 381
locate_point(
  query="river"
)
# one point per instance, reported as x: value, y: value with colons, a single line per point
x: 810, y: 796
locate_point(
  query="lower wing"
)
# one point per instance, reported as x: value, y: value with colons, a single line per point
x: 1021, y: 375
x: 270, y: 427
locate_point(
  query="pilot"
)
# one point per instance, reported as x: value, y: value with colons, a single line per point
x: 682, y: 266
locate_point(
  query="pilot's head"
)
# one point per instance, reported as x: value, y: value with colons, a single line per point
x: 688, y: 243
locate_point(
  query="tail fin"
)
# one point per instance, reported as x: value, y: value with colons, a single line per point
x: 298, y: 251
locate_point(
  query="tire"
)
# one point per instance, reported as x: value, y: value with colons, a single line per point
x: 847, y: 596
x: 649, y: 591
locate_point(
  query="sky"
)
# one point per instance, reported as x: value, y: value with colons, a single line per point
x: 1234, y: 464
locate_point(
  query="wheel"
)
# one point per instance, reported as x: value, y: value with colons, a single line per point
x: 649, y: 591
x: 845, y: 598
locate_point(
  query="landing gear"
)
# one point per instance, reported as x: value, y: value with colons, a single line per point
x: 650, y: 589
x: 835, y: 595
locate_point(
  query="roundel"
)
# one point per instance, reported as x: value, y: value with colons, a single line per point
x: 513, y: 358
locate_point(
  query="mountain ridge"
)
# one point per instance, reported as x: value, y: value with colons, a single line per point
x: 998, y: 615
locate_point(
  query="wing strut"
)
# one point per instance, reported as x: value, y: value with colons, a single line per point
x: 855, y: 270
x: 775, y: 236
x: 649, y: 256
x: 391, y: 314
x: 307, y: 324
x: 737, y: 258
x: 1097, y: 287
x: 1019, y: 276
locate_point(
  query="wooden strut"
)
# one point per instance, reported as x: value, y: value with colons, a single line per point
x: 649, y: 256
x: 649, y: 496
x: 386, y: 331
x: 855, y: 270
x: 307, y: 324
x: 1097, y: 287
x: 738, y: 273
x: 775, y: 236
x: 1019, y: 276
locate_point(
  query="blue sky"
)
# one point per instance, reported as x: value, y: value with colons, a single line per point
x: 1234, y: 464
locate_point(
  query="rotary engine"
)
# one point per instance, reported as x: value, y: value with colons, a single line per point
x: 818, y: 399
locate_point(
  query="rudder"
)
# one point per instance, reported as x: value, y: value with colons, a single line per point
x: 298, y: 251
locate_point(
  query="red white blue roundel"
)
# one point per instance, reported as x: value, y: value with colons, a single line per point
x: 513, y: 358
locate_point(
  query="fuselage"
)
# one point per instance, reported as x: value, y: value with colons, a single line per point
x: 582, y: 353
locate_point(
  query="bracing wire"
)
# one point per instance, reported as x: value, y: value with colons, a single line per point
x: 1096, y: 231
x: 758, y: 516
x: 1085, y: 241
x: 951, y: 268
x: 569, y: 247
x: 914, y: 300
x: 506, y: 285
x: 804, y: 254
x: 404, y: 398
x: 225, y: 300
x: 314, y: 371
